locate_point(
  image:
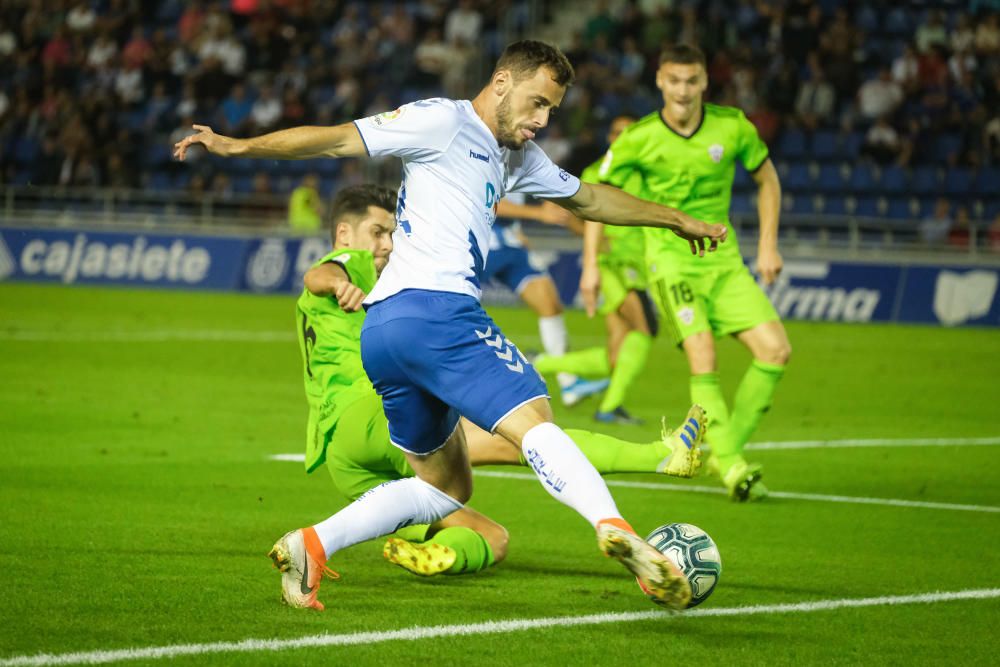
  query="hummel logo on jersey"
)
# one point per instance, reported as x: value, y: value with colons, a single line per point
x: 479, y: 156
x: 715, y: 152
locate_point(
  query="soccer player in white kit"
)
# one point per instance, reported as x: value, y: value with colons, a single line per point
x: 428, y: 346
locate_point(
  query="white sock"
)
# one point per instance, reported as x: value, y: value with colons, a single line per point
x: 567, y: 474
x: 384, y: 510
x: 555, y: 342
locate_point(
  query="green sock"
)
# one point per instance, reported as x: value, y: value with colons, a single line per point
x: 753, y: 398
x: 631, y: 360
x: 609, y: 454
x: 474, y: 552
x: 592, y: 362
x: 707, y: 392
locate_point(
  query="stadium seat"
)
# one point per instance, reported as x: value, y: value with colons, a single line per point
x: 791, y: 144
x: 899, y: 208
x: 830, y: 178
x: 987, y: 180
x: 893, y: 180
x: 863, y: 180
x: 867, y: 207
x: 799, y: 178
x: 926, y: 180
x: 835, y: 205
x: 957, y: 181
x: 799, y: 205
x: 740, y: 203
x: 741, y: 178
x: 825, y: 145
x: 851, y: 143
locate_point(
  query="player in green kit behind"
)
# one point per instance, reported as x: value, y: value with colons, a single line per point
x: 348, y: 431
x: 614, y: 266
x: 685, y: 156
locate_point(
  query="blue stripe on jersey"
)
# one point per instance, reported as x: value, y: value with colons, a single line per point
x: 478, y: 263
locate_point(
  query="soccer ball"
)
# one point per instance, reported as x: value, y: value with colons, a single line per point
x: 694, y: 552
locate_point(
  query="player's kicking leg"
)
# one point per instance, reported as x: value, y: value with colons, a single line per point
x: 568, y: 477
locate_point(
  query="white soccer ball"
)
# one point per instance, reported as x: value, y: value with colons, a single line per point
x: 694, y: 552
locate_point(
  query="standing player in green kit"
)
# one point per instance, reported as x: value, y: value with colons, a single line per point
x: 684, y: 156
x: 616, y: 255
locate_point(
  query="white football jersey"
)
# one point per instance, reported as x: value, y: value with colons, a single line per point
x: 454, y: 173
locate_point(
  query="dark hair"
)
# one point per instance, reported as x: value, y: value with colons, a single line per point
x: 525, y: 57
x: 356, y: 199
x: 683, y: 54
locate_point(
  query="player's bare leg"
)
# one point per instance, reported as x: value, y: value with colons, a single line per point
x: 540, y: 294
x: 568, y: 477
x: 446, y: 469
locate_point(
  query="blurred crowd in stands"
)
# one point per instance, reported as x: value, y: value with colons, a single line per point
x: 885, y: 100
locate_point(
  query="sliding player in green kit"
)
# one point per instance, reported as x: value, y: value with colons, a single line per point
x: 684, y: 156
x: 348, y: 431
x: 617, y: 255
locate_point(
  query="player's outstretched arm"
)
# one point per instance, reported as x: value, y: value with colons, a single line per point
x: 297, y: 143
x: 611, y: 206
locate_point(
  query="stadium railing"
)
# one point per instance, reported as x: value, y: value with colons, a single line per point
x: 168, y: 209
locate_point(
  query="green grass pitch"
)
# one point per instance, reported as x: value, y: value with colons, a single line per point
x: 137, y: 500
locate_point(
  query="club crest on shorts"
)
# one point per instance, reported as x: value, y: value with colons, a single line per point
x: 715, y: 152
x: 686, y: 315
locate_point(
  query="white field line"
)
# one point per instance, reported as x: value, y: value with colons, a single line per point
x: 876, y: 442
x: 197, y: 335
x: 486, y: 628
x: 819, y: 497
x: 860, y: 500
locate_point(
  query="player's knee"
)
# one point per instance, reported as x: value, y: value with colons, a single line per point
x: 778, y: 353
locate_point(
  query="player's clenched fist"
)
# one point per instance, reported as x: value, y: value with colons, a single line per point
x: 349, y: 296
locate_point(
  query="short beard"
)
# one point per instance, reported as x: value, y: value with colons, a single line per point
x: 506, y: 134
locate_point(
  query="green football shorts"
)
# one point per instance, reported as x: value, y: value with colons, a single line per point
x: 618, y: 278
x: 721, y: 299
x: 359, y: 455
